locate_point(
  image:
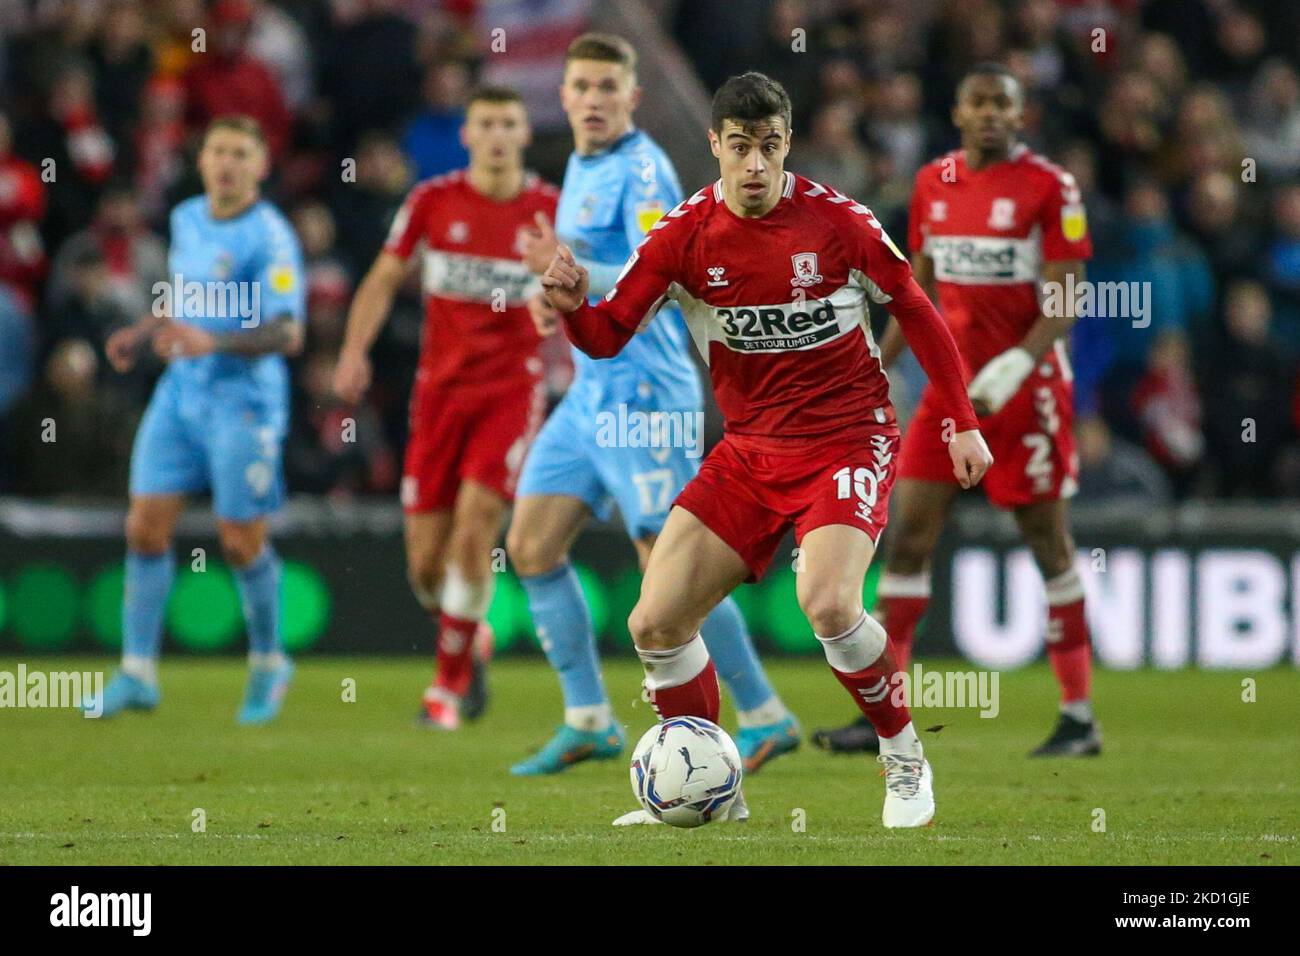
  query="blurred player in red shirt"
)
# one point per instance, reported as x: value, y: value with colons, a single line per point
x: 991, y: 223
x: 478, y: 398
x: 773, y: 273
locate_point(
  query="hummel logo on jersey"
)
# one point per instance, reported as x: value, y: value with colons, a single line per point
x: 1003, y: 214
x: 715, y: 276
x: 458, y: 232
x: 805, y: 270
x: 938, y: 210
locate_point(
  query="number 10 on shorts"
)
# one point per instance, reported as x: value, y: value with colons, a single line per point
x: 859, y: 482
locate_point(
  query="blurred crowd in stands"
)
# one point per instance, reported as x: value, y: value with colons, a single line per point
x: 1179, y: 118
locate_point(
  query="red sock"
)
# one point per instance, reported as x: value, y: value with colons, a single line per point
x: 878, y: 695
x: 698, y: 697
x: 1069, y: 649
x: 899, y: 615
x: 455, y: 653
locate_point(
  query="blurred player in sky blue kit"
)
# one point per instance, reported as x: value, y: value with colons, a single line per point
x: 617, y: 185
x: 218, y: 414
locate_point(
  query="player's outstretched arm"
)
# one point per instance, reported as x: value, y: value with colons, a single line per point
x: 599, y: 330
x: 1002, y: 377
x: 933, y: 344
x: 123, y: 345
x: 281, y: 334
x: 370, y: 307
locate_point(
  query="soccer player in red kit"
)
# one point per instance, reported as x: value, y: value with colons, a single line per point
x: 478, y: 398
x: 990, y: 223
x: 773, y: 273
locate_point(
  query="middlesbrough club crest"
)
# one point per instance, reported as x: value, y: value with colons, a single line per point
x: 805, y: 270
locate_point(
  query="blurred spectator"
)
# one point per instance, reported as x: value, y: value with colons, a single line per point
x: 69, y: 135
x: 130, y: 260
x: 329, y: 283
x: 1217, y: 222
x: 277, y: 40
x: 1168, y: 412
x: 123, y: 63
x: 337, y: 450
x: 791, y: 64
x: 1169, y: 290
x: 1273, y: 127
x: 1112, y: 470
x: 22, y: 206
x: 88, y: 450
x: 227, y: 79
x: 17, y: 356
x: 1281, y: 264
x: 370, y: 75
x: 896, y: 127
x: 831, y: 153
x: 158, y: 144
x: 369, y: 204
x: 432, y: 139
x: 1252, y: 380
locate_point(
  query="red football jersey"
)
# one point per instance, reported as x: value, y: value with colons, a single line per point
x: 477, y: 331
x: 777, y: 306
x: 989, y: 233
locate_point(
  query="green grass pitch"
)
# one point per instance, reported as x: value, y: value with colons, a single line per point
x: 1191, y: 775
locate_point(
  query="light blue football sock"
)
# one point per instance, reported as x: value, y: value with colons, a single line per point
x: 144, y: 602
x: 563, y: 623
x: 259, y: 591
x: 727, y: 638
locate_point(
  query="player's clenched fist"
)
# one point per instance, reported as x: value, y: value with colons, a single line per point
x: 351, y: 376
x: 565, y: 281
x: 971, y: 457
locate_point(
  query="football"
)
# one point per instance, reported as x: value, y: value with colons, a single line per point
x: 686, y: 771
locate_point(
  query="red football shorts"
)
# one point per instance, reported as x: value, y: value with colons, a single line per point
x: 460, y: 434
x: 1031, y: 438
x: 749, y: 498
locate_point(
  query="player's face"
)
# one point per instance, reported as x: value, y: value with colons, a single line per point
x: 232, y: 164
x: 496, y: 134
x: 599, y: 98
x: 988, y: 113
x: 751, y: 157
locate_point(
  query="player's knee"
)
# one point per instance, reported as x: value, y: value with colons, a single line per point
x: 240, y: 547
x: 1053, y: 553
x: 656, y: 630
x: 909, y: 551
x: 831, y: 609
x: 424, y: 574
x: 145, y: 536
x: 530, y: 553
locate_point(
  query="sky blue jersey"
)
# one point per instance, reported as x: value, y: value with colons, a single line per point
x: 608, y: 203
x: 229, y: 276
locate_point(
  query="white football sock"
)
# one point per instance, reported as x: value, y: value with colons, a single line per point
x: 265, y: 662
x: 141, y: 668
x: 589, y: 717
x: 904, y: 742
x: 857, y: 648
x: 768, y: 712
x: 675, y: 666
x: 1080, y: 710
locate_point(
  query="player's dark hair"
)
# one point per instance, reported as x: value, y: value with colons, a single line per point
x: 240, y: 123
x: 603, y: 47
x: 494, y: 94
x: 750, y: 98
x: 990, y: 68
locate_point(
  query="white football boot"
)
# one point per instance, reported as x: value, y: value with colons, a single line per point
x: 738, y: 812
x: 909, y: 790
